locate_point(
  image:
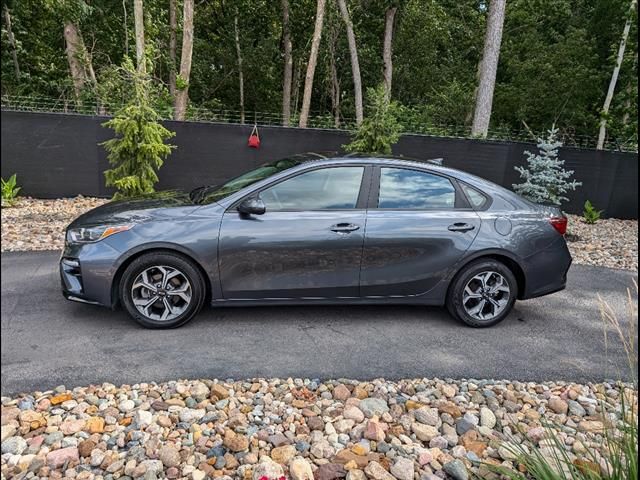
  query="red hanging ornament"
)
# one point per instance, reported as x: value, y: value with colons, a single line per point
x: 254, y: 138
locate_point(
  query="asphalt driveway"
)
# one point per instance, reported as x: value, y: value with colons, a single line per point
x: 48, y: 341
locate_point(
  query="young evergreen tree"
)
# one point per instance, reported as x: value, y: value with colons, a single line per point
x: 380, y: 129
x: 138, y: 150
x: 545, y: 179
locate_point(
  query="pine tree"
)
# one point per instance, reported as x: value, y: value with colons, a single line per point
x: 545, y: 179
x: 138, y: 150
x: 380, y: 129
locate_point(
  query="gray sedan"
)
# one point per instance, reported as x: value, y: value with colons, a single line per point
x: 315, y: 230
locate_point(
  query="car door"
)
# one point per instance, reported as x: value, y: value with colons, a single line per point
x: 419, y: 225
x: 308, y: 243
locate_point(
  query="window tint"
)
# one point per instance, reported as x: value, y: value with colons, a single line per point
x: 411, y: 189
x: 322, y: 189
x: 476, y: 199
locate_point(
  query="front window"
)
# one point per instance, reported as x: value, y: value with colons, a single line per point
x: 214, y: 193
x: 401, y: 188
x: 322, y: 189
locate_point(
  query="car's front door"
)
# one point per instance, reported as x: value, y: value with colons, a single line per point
x: 308, y: 243
x: 419, y: 226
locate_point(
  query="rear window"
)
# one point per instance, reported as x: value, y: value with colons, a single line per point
x: 475, y: 197
x: 406, y: 189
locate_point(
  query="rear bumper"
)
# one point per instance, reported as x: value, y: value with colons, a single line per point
x: 546, y: 271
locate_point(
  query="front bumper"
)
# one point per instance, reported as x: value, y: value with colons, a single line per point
x: 87, y: 271
x: 546, y: 271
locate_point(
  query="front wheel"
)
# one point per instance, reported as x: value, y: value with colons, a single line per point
x: 162, y: 290
x: 483, y: 293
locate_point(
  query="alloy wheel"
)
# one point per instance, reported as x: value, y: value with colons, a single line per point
x: 161, y: 293
x: 486, y: 295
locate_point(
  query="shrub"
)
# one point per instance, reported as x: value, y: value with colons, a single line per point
x: 9, y: 191
x: 545, y: 181
x: 590, y: 214
x: 138, y: 150
x: 380, y: 129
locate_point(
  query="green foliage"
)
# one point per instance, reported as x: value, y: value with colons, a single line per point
x: 590, y: 214
x: 9, y: 191
x: 555, y: 62
x: 181, y: 83
x: 380, y: 129
x: 545, y: 179
x: 138, y: 150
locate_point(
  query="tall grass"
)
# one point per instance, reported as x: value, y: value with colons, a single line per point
x: 616, y: 457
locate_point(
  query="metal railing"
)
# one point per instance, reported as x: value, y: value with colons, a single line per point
x: 317, y: 119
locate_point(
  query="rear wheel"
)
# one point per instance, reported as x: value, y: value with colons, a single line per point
x: 483, y: 293
x: 162, y: 290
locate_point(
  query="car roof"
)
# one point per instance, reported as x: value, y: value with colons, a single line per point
x: 435, y: 164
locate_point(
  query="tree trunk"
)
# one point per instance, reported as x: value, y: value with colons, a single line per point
x: 240, y: 77
x: 288, y: 65
x: 126, y: 27
x: 355, y: 64
x: 173, y: 41
x: 614, y: 78
x: 74, y: 56
x: 335, y: 82
x: 296, y: 85
x: 182, y: 94
x: 489, y: 67
x: 12, y: 42
x: 311, y: 66
x: 138, y: 15
x: 388, y: 48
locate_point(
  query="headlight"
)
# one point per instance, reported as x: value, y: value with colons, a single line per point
x: 94, y: 234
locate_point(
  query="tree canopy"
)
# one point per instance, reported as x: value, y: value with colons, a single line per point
x: 555, y: 61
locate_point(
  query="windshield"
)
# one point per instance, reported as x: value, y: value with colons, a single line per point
x: 213, y: 193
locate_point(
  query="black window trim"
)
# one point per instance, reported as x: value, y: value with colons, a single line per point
x: 461, y: 201
x: 361, y: 203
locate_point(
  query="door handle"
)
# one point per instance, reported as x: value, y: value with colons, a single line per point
x: 460, y: 227
x: 344, y: 227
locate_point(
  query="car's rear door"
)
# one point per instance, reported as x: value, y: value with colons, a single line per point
x: 419, y: 225
x: 308, y: 243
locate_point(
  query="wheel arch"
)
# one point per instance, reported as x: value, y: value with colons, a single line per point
x: 156, y: 248
x: 508, y: 259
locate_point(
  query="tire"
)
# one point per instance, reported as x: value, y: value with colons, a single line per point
x: 469, y: 276
x: 184, y: 293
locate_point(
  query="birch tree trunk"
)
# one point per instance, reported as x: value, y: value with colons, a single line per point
x: 125, y: 24
x: 614, y: 78
x: 335, y: 82
x: 240, y: 77
x: 387, y: 49
x: 311, y: 66
x: 288, y: 65
x: 138, y: 16
x: 182, y: 93
x: 488, y: 69
x: 173, y: 42
x: 12, y: 42
x: 74, y: 56
x: 355, y: 64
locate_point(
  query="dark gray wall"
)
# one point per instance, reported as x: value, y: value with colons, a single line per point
x: 58, y: 155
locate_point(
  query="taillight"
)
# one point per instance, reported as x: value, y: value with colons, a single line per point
x: 560, y: 224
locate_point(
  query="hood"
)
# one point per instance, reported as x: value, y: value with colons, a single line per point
x: 155, y: 205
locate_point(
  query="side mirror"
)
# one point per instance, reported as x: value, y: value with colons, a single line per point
x: 252, y: 206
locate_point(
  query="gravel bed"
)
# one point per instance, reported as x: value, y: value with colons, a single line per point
x: 34, y: 224
x: 609, y: 243
x: 39, y: 225
x: 301, y: 429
